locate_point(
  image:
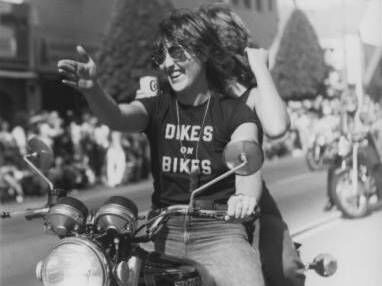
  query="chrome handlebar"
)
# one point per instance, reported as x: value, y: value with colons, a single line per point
x: 154, y: 224
x: 28, y: 213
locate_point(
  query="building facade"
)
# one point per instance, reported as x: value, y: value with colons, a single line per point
x: 33, y: 36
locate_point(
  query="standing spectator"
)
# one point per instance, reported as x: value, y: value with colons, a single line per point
x: 8, y: 143
x: 19, y: 133
x: 44, y: 133
x: 55, y: 123
x: 75, y: 135
x: 87, y: 125
x: 101, y: 139
x: 5, y: 135
x: 20, y: 138
x: 10, y: 177
x: 302, y: 125
x: 9, y: 173
x: 115, y: 160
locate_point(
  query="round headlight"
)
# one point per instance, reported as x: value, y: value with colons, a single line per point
x: 75, y: 261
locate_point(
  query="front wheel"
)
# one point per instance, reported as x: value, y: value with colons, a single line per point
x: 314, y: 158
x: 351, y: 204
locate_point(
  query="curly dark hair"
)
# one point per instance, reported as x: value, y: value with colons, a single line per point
x: 188, y: 29
x: 234, y: 37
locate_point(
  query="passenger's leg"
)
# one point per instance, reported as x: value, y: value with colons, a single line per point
x: 330, y: 185
x: 281, y: 263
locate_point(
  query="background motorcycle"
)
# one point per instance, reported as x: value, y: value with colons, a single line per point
x: 102, y: 247
x: 352, y: 177
x: 320, y: 153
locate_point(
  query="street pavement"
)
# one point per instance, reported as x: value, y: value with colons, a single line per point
x: 357, y: 246
x: 299, y: 193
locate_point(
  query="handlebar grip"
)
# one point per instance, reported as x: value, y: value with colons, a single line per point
x: 223, y: 216
x: 36, y: 213
x: 29, y: 213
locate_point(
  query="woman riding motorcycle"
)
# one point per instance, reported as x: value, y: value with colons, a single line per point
x: 188, y: 126
x: 252, y: 82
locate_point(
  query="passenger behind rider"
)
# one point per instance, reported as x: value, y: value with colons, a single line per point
x: 189, y: 53
x: 251, y: 80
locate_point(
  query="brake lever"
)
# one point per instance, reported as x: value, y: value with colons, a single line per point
x: 150, y: 224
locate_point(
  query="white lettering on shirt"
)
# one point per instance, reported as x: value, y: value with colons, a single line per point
x: 170, y: 131
x: 188, y: 133
x: 182, y: 165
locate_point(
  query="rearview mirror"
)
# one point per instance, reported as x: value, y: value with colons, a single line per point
x: 40, y: 154
x: 241, y: 157
x: 324, y: 264
x: 236, y: 152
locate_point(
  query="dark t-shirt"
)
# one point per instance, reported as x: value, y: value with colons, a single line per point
x: 173, y: 150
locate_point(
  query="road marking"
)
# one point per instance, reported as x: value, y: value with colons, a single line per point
x: 289, y: 180
x: 316, y: 226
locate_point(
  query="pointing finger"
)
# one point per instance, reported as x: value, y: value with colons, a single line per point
x: 68, y: 65
x: 70, y: 83
x: 84, y: 56
x: 69, y: 76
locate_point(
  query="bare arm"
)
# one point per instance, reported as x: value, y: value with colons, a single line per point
x: 270, y: 107
x: 130, y: 117
x: 248, y: 188
x: 82, y: 75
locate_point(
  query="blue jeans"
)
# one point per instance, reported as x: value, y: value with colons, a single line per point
x: 221, y: 250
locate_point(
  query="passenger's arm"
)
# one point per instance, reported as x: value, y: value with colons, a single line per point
x: 82, y: 75
x: 270, y: 107
x: 248, y: 188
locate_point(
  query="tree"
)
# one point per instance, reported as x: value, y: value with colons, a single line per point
x: 374, y: 88
x: 300, y: 69
x: 125, y: 53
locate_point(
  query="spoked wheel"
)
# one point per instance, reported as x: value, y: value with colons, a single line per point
x: 353, y: 204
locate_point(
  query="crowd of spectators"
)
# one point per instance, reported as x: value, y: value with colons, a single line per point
x: 320, y: 117
x: 86, y: 153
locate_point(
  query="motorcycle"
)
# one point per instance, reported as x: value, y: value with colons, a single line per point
x: 102, y: 247
x: 351, y: 180
x: 320, y: 153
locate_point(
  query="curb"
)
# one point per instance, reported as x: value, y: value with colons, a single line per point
x: 304, y: 231
x: 33, y: 202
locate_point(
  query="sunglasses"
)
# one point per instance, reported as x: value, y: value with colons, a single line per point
x: 176, y: 52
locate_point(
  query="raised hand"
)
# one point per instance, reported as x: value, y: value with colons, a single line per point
x: 257, y: 57
x: 79, y: 74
